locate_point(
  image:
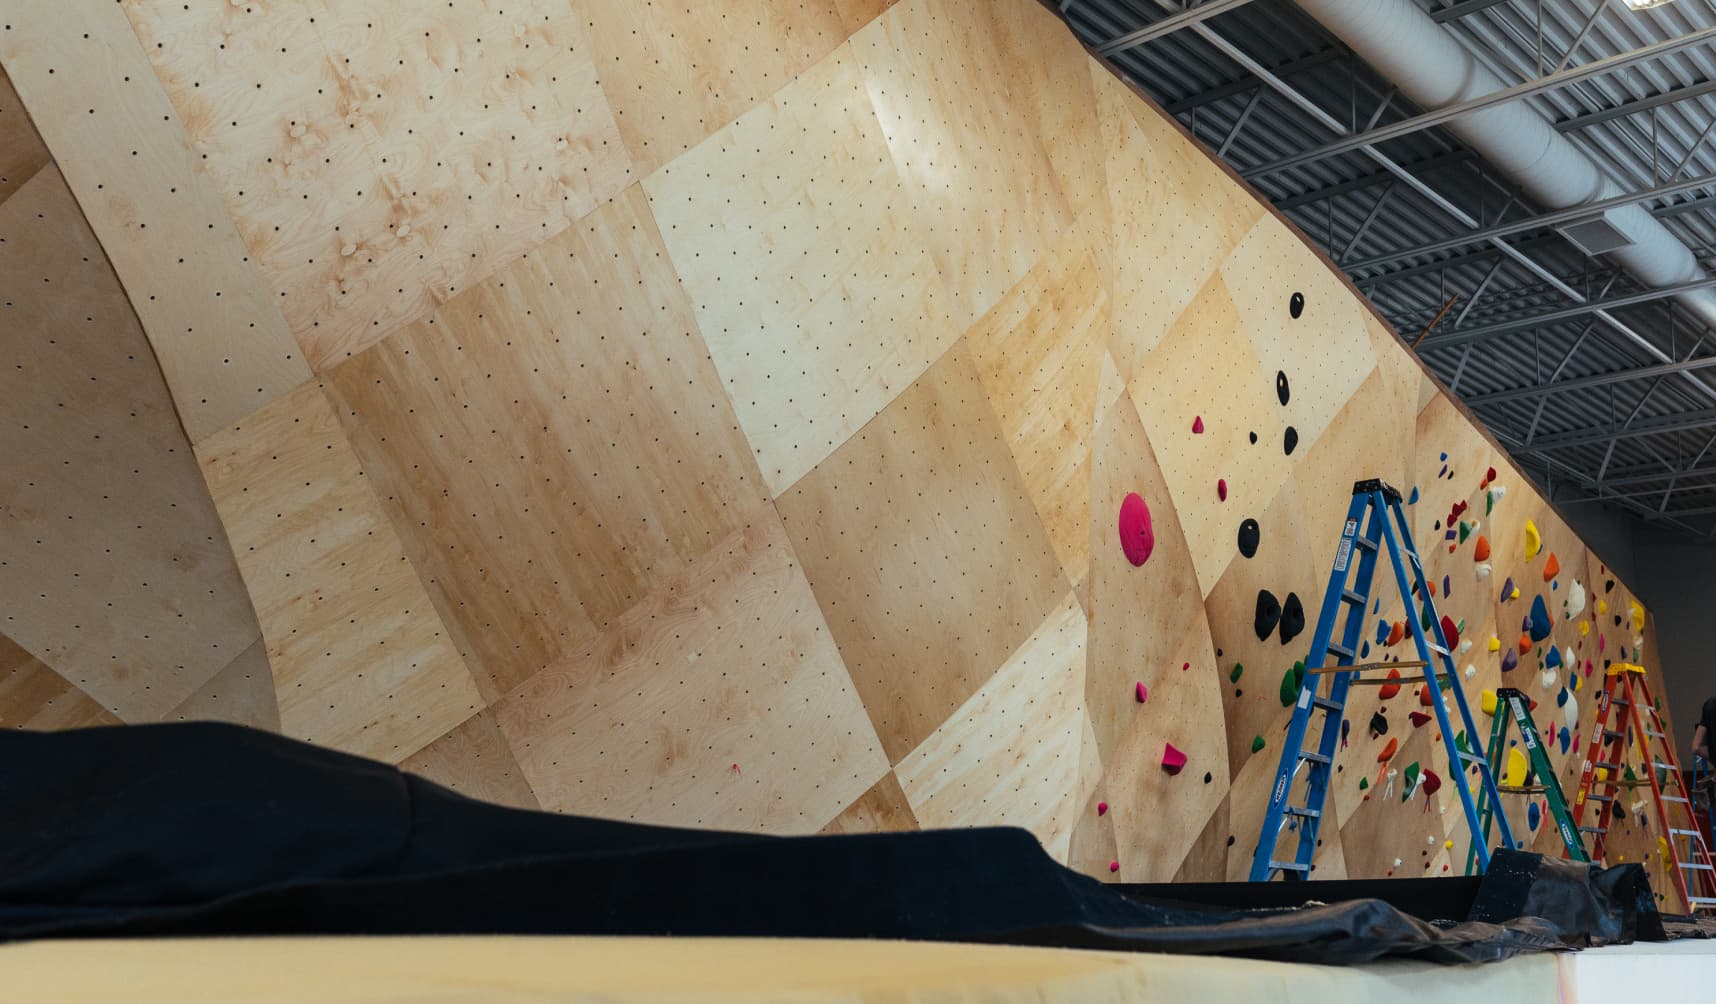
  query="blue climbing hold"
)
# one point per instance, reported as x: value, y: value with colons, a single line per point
x: 1533, y: 816
x: 1364, y: 650
x: 1566, y: 739
x: 1382, y: 632
x: 1555, y: 585
x: 1540, y: 623
x: 1561, y: 698
x: 1444, y: 458
x: 1413, y: 500
x: 1553, y: 658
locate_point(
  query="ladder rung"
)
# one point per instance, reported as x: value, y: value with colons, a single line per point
x: 1663, y: 766
x: 1354, y: 598
x: 1432, y: 646
x: 1593, y: 829
x: 1472, y: 757
x: 1314, y: 757
x: 1655, y: 735
x: 1301, y: 811
x: 1364, y: 542
x: 1621, y: 702
x: 1676, y: 798
x: 1701, y: 900
x: 1685, y: 833
x: 1326, y: 704
x: 1610, y: 735
x: 1339, y: 650
x: 1291, y: 866
x: 1607, y: 766
x: 1689, y: 866
x: 1600, y: 798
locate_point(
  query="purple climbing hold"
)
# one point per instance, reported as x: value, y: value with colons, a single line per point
x: 1137, y: 537
x: 1507, y: 590
x: 1510, y: 659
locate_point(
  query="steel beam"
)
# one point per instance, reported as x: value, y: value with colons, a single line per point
x: 1668, y: 97
x: 1702, y: 418
x: 1595, y: 380
x: 1483, y: 331
x: 1168, y: 25
x: 1417, y: 123
x: 1252, y: 81
x: 1528, y: 223
x: 1651, y: 477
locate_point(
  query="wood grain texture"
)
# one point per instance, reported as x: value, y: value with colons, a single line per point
x: 882, y: 809
x: 552, y: 444
x: 977, y: 169
x: 216, y: 329
x: 475, y: 761
x: 361, y: 662
x: 1010, y: 756
x: 114, y: 568
x: 33, y: 696
x: 812, y: 283
x: 242, y: 693
x: 677, y: 72
x: 898, y: 533
x: 22, y: 152
x: 720, y: 701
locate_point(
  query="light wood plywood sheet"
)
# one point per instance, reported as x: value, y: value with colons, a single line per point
x: 720, y: 701
x: 475, y: 761
x: 1039, y: 354
x: 1325, y: 353
x: 882, y: 809
x: 33, y: 696
x: 1049, y: 76
x: 1382, y: 829
x: 676, y: 72
x: 116, y: 570
x: 810, y: 278
x: 925, y: 553
x: 1249, y: 800
x: 242, y: 693
x: 855, y: 14
x: 1205, y: 369
x: 979, y: 173
x: 1370, y: 437
x: 360, y: 660
x: 552, y: 444
x: 1176, y: 218
x: 214, y: 324
x: 22, y: 152
x: 1010, y: 756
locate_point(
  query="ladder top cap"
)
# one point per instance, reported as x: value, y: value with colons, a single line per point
x: 1624, y: 667
x: 1370, y: 485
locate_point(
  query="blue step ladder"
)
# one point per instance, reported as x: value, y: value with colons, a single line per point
x: 1374, y: 521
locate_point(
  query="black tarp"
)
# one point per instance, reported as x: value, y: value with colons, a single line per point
x: 201, y: 829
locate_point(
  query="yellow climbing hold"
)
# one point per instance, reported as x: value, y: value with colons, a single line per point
x: 1515, y: 594
x: 1602, y: 606
x: 1584, y: 628
x: 1514, y: 775
x: 1447, y: 845
x: 1533, y: 540
x: 1495, y: 644
x: 1488, y: 699
x: 1638, y: 616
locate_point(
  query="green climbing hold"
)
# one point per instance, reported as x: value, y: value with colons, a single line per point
x: 1291, y: 681
x: 1256, y: 744
x: 1234, y: 676
x: 1364, y: 782
x: 1460, y: 742
x: 1465, y: 531
x: 1409, y: 780
x: 1489, y: 502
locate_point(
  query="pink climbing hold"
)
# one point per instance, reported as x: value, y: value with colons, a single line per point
x: 1141, y: 692
x: 1221, y: 489
x: 1185, y: 666
x: 1172, y: 759
x: 1198, y: 426
x: 1114, y: 866
x: 1102, y: 808
x: 1137, y: 537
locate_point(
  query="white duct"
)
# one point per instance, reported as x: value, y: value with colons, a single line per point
x: 1431, y: 68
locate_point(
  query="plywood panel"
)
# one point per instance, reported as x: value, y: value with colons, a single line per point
x: 810, y: 278
x: 1049, y: 76
x: 720, y: 701
x: 898, y: 531
x: 1148, y: 626
x: 22, y: 152
x: 360, y: 660
x: 475, y: 761
x: 215, y: 327
x: 677, y: 72
x: 1176, y: 219
x: 978, y: 171
x: 882, y: 809
x: 552, y: 444
x: 1039, y: 353
x: 1010, y: 755
x: 1205, y: 369
x: 1249, y: 799
x: 116, y: 570
x: 33, y: 696
x: 242, y: 693
x: 1383, y: 828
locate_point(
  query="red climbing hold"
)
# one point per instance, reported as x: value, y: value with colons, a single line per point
x: 1141, y: 692
x: 1388, y: 690
x: 1137, y: 537
x: 1418, y: 719
x: 1102, y: 808
x: 1198, y: 426
x: 1221, y: 489
x: 1388, y: 751
x: 1172, y: 759
x: 1450, y: 632
x: 1424, y: 696
x: 1185, y: 666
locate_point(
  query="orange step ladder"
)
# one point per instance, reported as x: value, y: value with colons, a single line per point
x: 1626, y: 690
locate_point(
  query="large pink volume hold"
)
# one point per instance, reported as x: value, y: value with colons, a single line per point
x: 1137, y: 538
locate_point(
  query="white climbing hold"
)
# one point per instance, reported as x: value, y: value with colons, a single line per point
x: 1484, y: 570
x: 1570, y: 712
x: 1388, y: 791
x: 1397, y: 862
x: 1471, y: 671
x: 1465, y: 645
x: 1548, y: 679
x: 1574, y: 605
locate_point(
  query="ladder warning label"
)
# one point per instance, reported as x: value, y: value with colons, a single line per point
x: 1345, y: 551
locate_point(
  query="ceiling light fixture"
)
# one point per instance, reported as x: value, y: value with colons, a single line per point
x: 1646, y: 4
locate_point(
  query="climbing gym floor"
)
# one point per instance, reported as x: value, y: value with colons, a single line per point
x: 614, y: 970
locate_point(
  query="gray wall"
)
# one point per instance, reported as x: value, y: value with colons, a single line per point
x: 1676, y: 578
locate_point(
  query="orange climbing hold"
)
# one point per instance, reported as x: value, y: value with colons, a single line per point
x: 1396, y: 632
x: 1481, y: 550
x: 1551, y: 568
x: 1388, y: 690
x: 1388, y: 751
x: 1524, y: 644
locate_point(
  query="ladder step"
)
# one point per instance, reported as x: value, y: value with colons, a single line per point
x: 1600, y: 798
x: 1701, y: 900
x: 1676, y: 798
x: 1290, y: 866
x: 1607, y: 766
x: 1302, y: 812
x: 1472, y: 757
x: 1593, y: 829
x: 1326, y: 704
x: 1432, y: 646
x: 1364, y: 543
x: 1355, y: 599
x: 1609, y: 735
x: 1314, y: 757
x: 1698, y: 868
x: 1684, y: 833
x: 1655, y: 735
x: 1340, y: 651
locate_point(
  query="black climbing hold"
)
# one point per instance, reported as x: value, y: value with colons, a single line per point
x: 1378, y: 724
x: 1230, y: 840
x: 1617, y: 620
x: 1254, y: 439
x: 1218, y: 653
x: 1609, y: 586
x: 1292, y: 618
x: 1296, y: 305
x: 1281, y: 386
x: 1208, y: 777
x: 1268, y: 613
x: 1290, y: 441
x: 1238, y: 692
x: 1249, y: 536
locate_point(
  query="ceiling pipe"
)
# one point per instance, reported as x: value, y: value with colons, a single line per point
x: 1429, y: 66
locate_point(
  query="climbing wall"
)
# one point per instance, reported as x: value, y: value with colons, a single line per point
x: 825, y: 415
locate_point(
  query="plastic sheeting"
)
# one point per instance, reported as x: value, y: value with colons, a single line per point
x: 212, y: 829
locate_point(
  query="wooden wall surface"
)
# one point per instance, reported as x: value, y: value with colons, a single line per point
x: 718, y: 414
